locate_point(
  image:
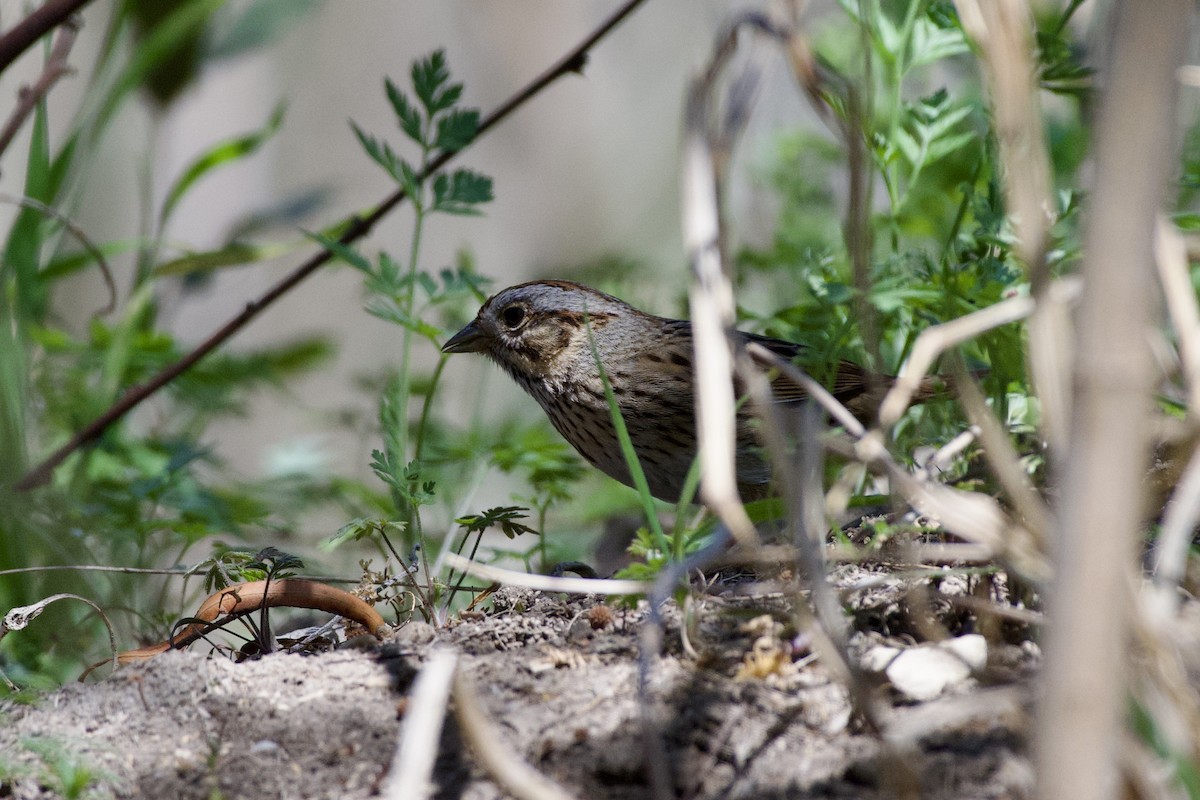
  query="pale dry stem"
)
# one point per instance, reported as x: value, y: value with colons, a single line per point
x: 711, y: 298
x: 935, y: 340
x: 1005, y: 461
x: 1003, y: 32
x: 546, y: 583
x: 1171, y: 259
x: 504, y: 765
x: 1085, y: 677
x: 411, y: 773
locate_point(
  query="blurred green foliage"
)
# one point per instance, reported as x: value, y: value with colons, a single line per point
x: 150, y: 489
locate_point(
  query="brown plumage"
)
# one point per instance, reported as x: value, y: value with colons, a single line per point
x: 538, y: 332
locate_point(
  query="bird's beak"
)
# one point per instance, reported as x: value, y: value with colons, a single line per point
x: 469, y: 340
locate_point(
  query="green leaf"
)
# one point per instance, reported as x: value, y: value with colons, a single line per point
x: 428, y: 75
x: 458, y: 192
x: 387, y: 470
x: 254, y: 25
x: 549, y: 465
x: 382, y: 154
x: 410, y: 118
x: 946, y: 119
x: 908, y: 147
x: 363, y: 528
x: 164, y: 41
x: 23, y: 252
x: 504, y: 516
x: 233, y: 254
x: 223, y: 153
x: 448, y: 96
x: 347, y: 254
x: 275, y: 563
x: 70, y: 263
x: 931, y: 43
x: 121, y: 350
x: 414, y: 490
x: 388, y: 309
x: 412, y: 181
x: 1187, y: 221
x: 948, y: 144
x: 887, y: 34
x: 428, y: 284
x: 456, y: 129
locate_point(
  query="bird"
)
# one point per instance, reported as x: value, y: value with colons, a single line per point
x: 541, y: 334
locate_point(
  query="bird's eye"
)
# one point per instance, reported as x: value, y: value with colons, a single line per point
x: 513, y: 316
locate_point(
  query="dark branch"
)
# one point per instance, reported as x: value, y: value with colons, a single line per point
x: 22, y: 36
x: 571, y: 62
x: 30, y: 96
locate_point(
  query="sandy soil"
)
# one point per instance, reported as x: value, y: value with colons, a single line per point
x: 746, y: 712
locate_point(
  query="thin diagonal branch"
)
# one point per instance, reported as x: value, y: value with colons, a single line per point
x: 22, y: 35
x: 573, y: 61
x: 30, y: 96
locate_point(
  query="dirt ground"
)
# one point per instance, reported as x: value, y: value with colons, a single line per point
x: 742, y: 703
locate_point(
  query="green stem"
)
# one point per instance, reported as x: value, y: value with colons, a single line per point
x: 542, y: 535
x: 406, y: 305
x: 631, y: 459
x: 419, y: 442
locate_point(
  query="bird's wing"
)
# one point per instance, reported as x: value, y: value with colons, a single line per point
x: 850, y: 381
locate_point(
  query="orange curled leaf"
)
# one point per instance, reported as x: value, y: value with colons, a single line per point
x: 245, y: 598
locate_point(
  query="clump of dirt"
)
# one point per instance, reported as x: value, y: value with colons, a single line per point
x: 735, y: 705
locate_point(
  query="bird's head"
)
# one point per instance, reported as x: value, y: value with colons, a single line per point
x: 539, y: 329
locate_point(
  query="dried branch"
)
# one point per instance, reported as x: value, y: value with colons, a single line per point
x: 546, y: 583
x: 711, y: 299
x: 242, y: 599
x: 1003, y: 459
x: 29, y: 96
x: 22, y: 35
x: 1085, y: 693
x: 1171, y: 258
x: 1003, y: 31
x: 708, y: 145
x: 573, y: 61
x: 411, y: 774
x: 503, y: 764
x: 935, y: 340
x: 17, y: 619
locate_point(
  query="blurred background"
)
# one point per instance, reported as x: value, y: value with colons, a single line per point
x: 587, y: 172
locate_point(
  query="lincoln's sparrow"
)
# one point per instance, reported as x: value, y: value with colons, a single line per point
x: 539, y: 333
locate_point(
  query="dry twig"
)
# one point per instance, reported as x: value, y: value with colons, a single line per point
x: 546, y: 583
x: 411, y: 774
x: 1084, y: 679
x: 29, y: 96
x: 22, y: 36
x: 513, y: 773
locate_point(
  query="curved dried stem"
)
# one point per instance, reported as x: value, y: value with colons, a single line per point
x: 241, y: 599
x: 505, y: 766
x: 78, y: 232
x: 934, y: 341
x: 18, y: 618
